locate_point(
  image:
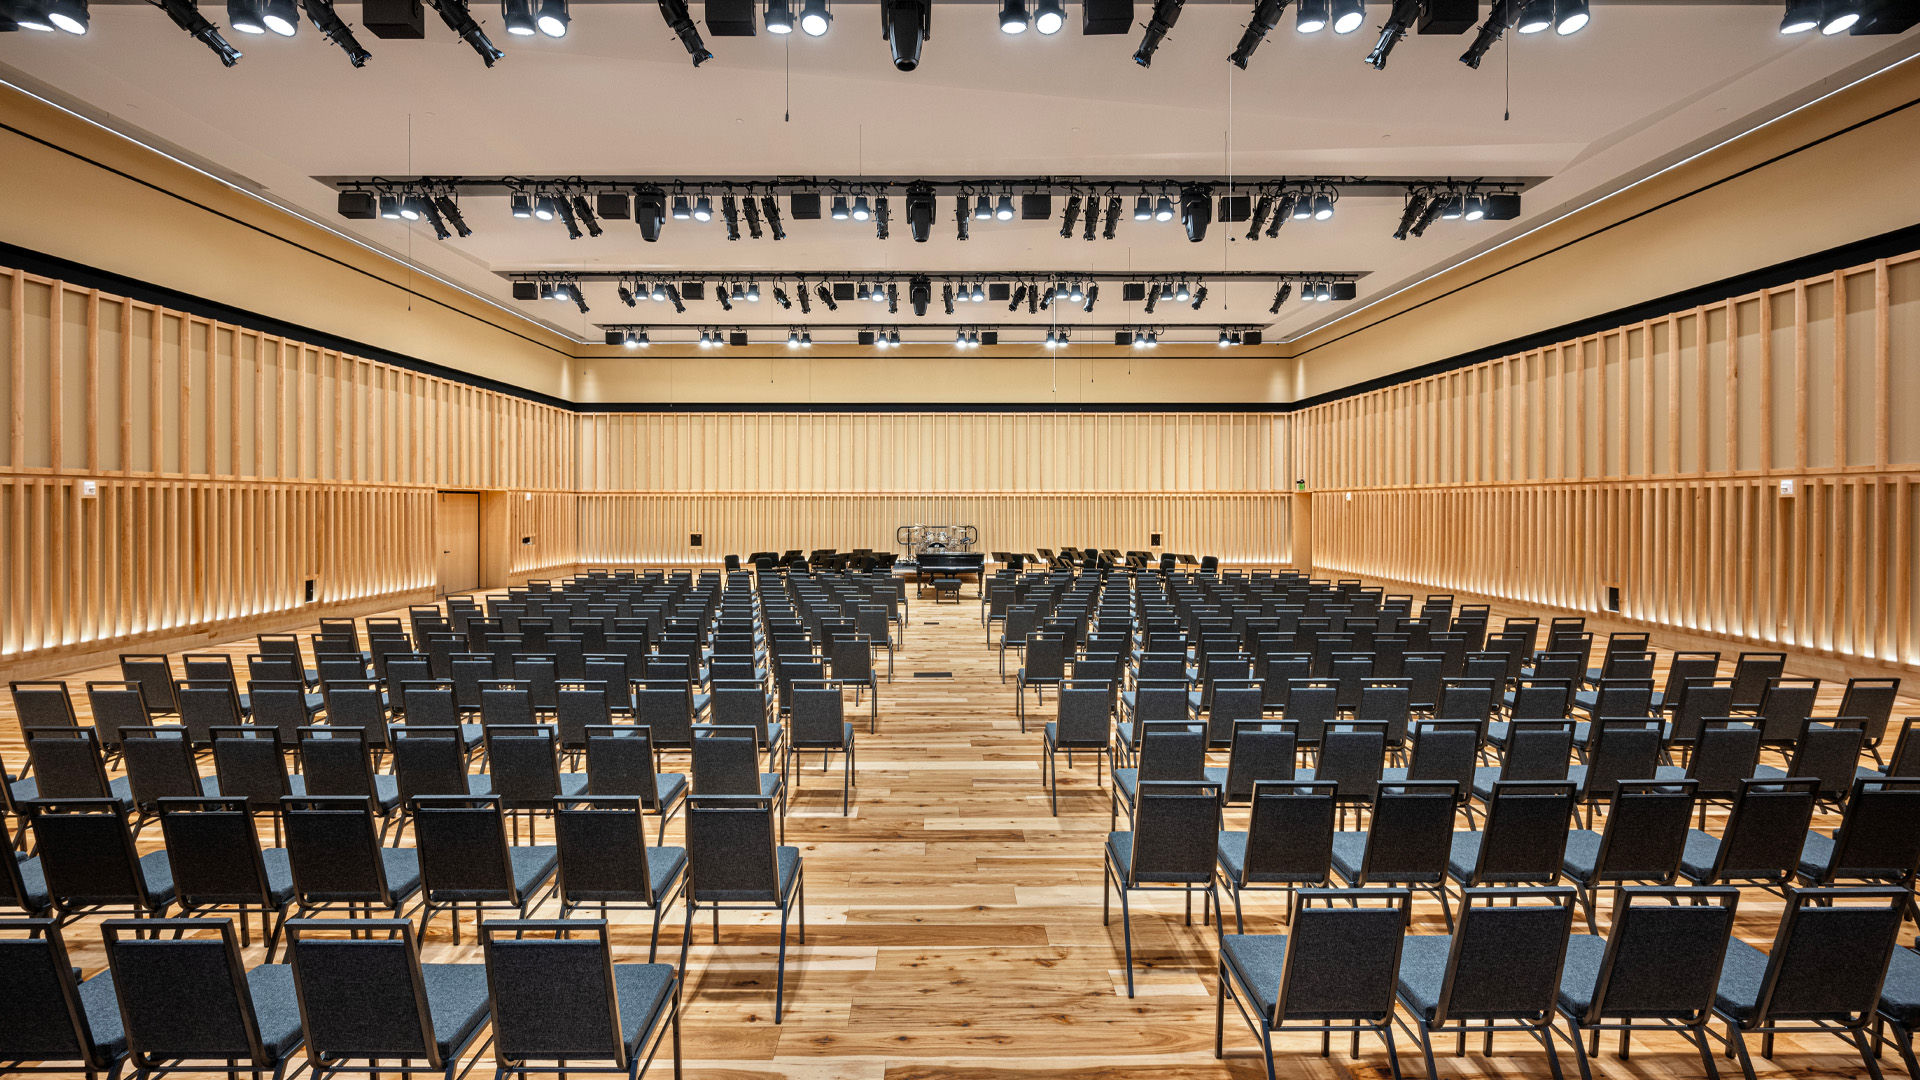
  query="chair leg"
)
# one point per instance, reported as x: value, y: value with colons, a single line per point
x: 1740, y: 1049
x: 1220, y: 1014
x: 686, y: 935
x: 1426, y: 1048
x: 1859, y: 1039
x: 1126, y: 935
x: 1580, y: 1050
x: 780, y: 969
x: 1700, y: 1039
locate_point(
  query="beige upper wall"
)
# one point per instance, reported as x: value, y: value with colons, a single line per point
x: 215, y: 243
x: 1850, y: 187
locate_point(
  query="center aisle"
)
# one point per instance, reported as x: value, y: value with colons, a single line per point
x: 953, y: 924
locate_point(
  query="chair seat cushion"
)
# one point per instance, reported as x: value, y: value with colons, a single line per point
x: 102, y: 1007
x: 1696, y: 862
x: 1484, y: 777
x: 1741, y: 975
x: 532, y: 865
x: 668, y: 787
x: 1423, y: 969
x: 1463, y: 857
x: 1583, y: 854
x: 1349, y: 851
x: 457, y: 1001
x: 1258, y: 960
x: 34, y: 881
x: 23, y: 791
x: 402, y: 866
x: 1900, y: 995
x: 1126, y: 781
x: 573, y: 785
x: 276, y: 1008
x: 1581, y: 973
x: 158, y: 873
x: 1816, y: 856
x: 479, y: 784
x: 472, y: 735
x: 1497, y: 730
x: 386, y: 789
x: 643, y: 990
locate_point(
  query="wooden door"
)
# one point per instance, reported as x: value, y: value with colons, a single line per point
x: 459, y: 538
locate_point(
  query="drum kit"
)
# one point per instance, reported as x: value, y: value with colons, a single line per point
x: 936, y: 539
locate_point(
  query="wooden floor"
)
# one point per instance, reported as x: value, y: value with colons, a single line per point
x: 953, y: 924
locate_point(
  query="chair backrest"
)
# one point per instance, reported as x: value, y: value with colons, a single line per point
x: 1784, y: 708
x: 1175, y: 833
x: 853, y: 657
x: 1342, y: 963
x: 249, y: 764
x: 333, y: 849
x: 1350, y: 756
x: 1877, y: 840
x: 1410, y: 835
x: 1905, y: 759
x: 1664, y: 951
x: 1683, y: 668
x: 1766, y: 829
x: 726, y: 761
x: 1537, y: 750
x: 278, y: 705
x: 1172, y: 752
x: 524, y: 761
x: 1646, y: 831
x: 116, y: 705
x: 1828, y: 749
x: 1232, y: 702
x: 539, y: 674
x: 87, y: 854
x: 160, y: 765
x: 1289, y: 833
x: 1446, y: 750
x: 213, y: 850
x: 1525, y: 836
x: 1542, y: 699
x: 429, y: 760
x: 602, y: 843
x: 665, y: 707
x: 554, y: 996
x: 1082, y: 714
x: 731, y: 854
x: 1621, y: 748
x: 506, y: 702
x: 67, y: 763
x: 1504, y: 961
x: 1261, y: 751
x: 1699, y: 700
x: 1466, y: 699
x: 44, y: 1019
x: 1830, y: 955
x: 1161, y: 702
x: 1726, y: 751
x: 155, y: 675
x: 463, y: 848
x: 620, y: 762
x: 1872, y: 700
x: 43, y: 705
x: 1751, y: 673
x: 183, y: 998
x: 363, y: 996
x: 358, y: 705
x: 819, y: 714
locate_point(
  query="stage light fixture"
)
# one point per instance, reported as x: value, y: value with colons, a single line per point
x: 1196, y: 210
x: 1074, y: 294
x: 730, y: 214
x: 1266, y: 15
x: 1142, y: 208
x: 753, y: 292
x: 1280, y: 297
x: 578, y: 298
x: 1322, y: 206
x: 1475, y: 207
x: 188, y: 18
x: 325, y: 20
x: 1163, y: 210
x: 1019, y: 295
x: 1800, y: 17
x: 961, y: 225
x: 459, y: 19
x: 839, y: 211
x: 1499, y: 16
x: 1535, y: 16
x: 1182, y: 294
x: 1570, y: 16
x: 725, y: 297
x: 1046, y: 298
x: 979, y: 293
x: 1347, y: 15
x: 983, y: 208
x: 625, y: 294
x: 1165, y: 14
x: 1322, y: 291
x: 673, y: 296
x: 960, y: 338
x: 1003, y: 210
x: 1049, y: 16
x: 1399, y: 20
x: 771, y: 207
x: 450, y: 210
x: 806, y: 299
x: 1410, y: 214
x: 919, y: 294
x: 1093, y: 208
x: 1226, y: 339
x: 893, y: 338
x: 815, y: 18
x: 906, y: 24
x: 1093, y: 296
x: 1069, y: 217
x: 1113, y: 217
x: 882, y: 220
x: 1013, y: 17
x: 1153, y: 297
x: 680, y: 21
x: 1452, y: 207
x: 893, y: 298
x: 1199, y: 297
x: 1310, y: 16
x: 1838, y: 16
x: 1261, y: 208
x: 432, y: 214
x: 682, y: 208
x: 920, y: 211
x: 779, y: 17
x: 246, y: 16
x: 583, y: 212
x: 793, y: 339
x: 390, y: 207
x: 518, y: 17
x: 703, y: 209
x: 946, y: 296
x: 1284, y: 210
x: 565, y: 210
x: 553, y: 18
x: 280, y: 16
x: 806, y: 339
x: 861, y: 211
x: 825, y: 294
x: 780, y: 297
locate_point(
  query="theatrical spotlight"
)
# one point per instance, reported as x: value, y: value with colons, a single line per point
x: 553, y: 18
x: 961, y: 217
x: 1280, y: 297
x: 825, y: 293
x: 946, y: 296
x: 188, y: 18
x: 806, y: 299
x: 1113, y: 217
x: 1019, y: 295
x: 1266, y: 14
x: 1153, y: 297
x: 753, y: 215
x: 1049, y: 16
x: 815, y: 18
x: 1399, y: 20
x: 1410, y: 215
x: 1013, y: 16
x: 574, y: 294
x: 919, y: 294
x: 779, y: 17
x: 1535, y: 16
x: 451, y: 212
x: 328, y: 23
x: 673, y: 295
x: 584, y: 212
x: 920, y: 211
x: 882, y: 219
x: 905, y: 24
x: 1093, y: 295
x: 650, y: 212
x: 564, y: 208
x: 1571, y: 16
x: 1093, y: 217
x: 681, y: 23
x: 725, y: 296
x: 730, y: 213
x: 1196, y: 208
x: 1165, y: 14
x: 893, y: 298
x: 771, y: 207
x: 780, y: 297
x: 1283, y: 209
x: 1499, y: 17
x: 1348, y: 15
x: 1142, y: 208
x: 1261, y: 207
x: 518, y: 16
x: 1199, y: 297
x: 1069, y: 217
x: 460, y: 20
x: 625, y: 294
x: 1428, y: 215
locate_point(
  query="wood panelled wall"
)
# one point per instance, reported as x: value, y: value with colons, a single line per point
x: 230, y: 469
x: 753, y: 481
x: 1650, y: 458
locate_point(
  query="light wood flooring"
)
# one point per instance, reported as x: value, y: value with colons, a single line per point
x: 953, y: 923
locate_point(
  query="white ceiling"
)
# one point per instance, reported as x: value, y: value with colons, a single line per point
x: 1641, y: 86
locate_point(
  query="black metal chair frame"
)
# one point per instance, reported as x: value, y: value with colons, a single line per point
x: 633, y: 1066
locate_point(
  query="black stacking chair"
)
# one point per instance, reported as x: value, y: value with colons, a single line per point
x: 1443, y: 750
x: 91, y: 867
x: 819, y: 724
x: 193, y: 1006
x: 1766, y: 829
x: 339, y: 762
x: 1621, y: 750
x: 1081, y: 723
x: 161, y: 764
x: 738, y: 703
x: 68, y: 764
x: 579, y: 704
x: 1725, y: 753
x: 1824, y: 973
x: 1525, y: 840
x: 1502, y: 969
x: 1174, y: 845
x: 1876, y: 842
x: 214, y: 854
x: 1533, y: 750
x: 1407, y: 841
x: 204, y: 706
x: 853, y: 666
x: 154, y: 673
x: 249, y: 765
x: 1828, y: 750
x: 605, y: 860
x: 429, y: 761
x: 1783, y: 710
x: 666, y: 708
x: 23, y: 888
x: 116, y: 706
x: 1900, y: 1007
x: 1044, y: 665
x: 1656, y: 970
x: 1288, y: 844
x: 52, y: 1016
x: 1350, y: 756
x: 1260, y: 751
x: 524, y: 760
x: 369, y: 998
x: 734, y: 862
x: 1167, y: 752
x: 726, y: 761
x: 1335, y: 970
x: 360, y: 705
x: 1905, y: 759
x: 465, y: 859
x: 1645, y: 837
x: 562, y: 999
x: 1752, y: 671
x: 621, y: 762
x: 336, y: 858
x: 43, y: 705
x: 1872, y: 699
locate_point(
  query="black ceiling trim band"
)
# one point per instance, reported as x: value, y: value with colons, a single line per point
x: 1884, y: 246
x: 268, y: 232
x: 934, y: 407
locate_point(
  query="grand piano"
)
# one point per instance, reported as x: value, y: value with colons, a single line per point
x: 943, y: 551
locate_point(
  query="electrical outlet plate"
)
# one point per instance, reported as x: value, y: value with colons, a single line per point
x: 1786, y: 489
x: 89, y: 489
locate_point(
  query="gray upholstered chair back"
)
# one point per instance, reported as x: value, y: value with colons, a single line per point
x: 1175, y: 833
x: 1525, y: 837
x: 1342, y: 962
x: 429, y: 703
x: 362, y: 997
x: 1828, y: 962
x: 730, y: 849
x: 1620, y: 749
x: 524, y: 761
x: 155, y: 675
x: 1261, y: 751
x: 819, y: 716
x: 1877, y: 840
x: 116, y: 705
x: 1542, y: 699
x: 183, y: 998
x: 1725, y: 751
x: 1751, y: 673
x: 214, y: 852
x: 87, y: 854
x: 1289, y: 833
x: 429, y: 761
x: 1537, y: 750
x: 1646, y: 831
x: 207, y: 705
x: 463, y: 849
x: 1505, y: 961
x: 160, y: 765
x: 1350, y: 756
x: 358, y: 705
x: 602, y: 844
x: 1172, y: 752
x: 1662, y: 959
x: 43, y: 705
x: 553, y: 998
x: 726, y: 761
x: 620, y: 762
x: 334, y: 851
x: 278, y: 705
x: 506, y: 702
x: 67, y: 763
x: 249, y: 764
x: 1446, y: 750
x: 44, y: 1020
x: 666, y: 707
x: 1410, y: 834
x: 1766, y: 829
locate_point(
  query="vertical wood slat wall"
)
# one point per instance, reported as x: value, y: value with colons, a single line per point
x: 1209, y: 483
x: 1649, y: 458
x: 231, y: 467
